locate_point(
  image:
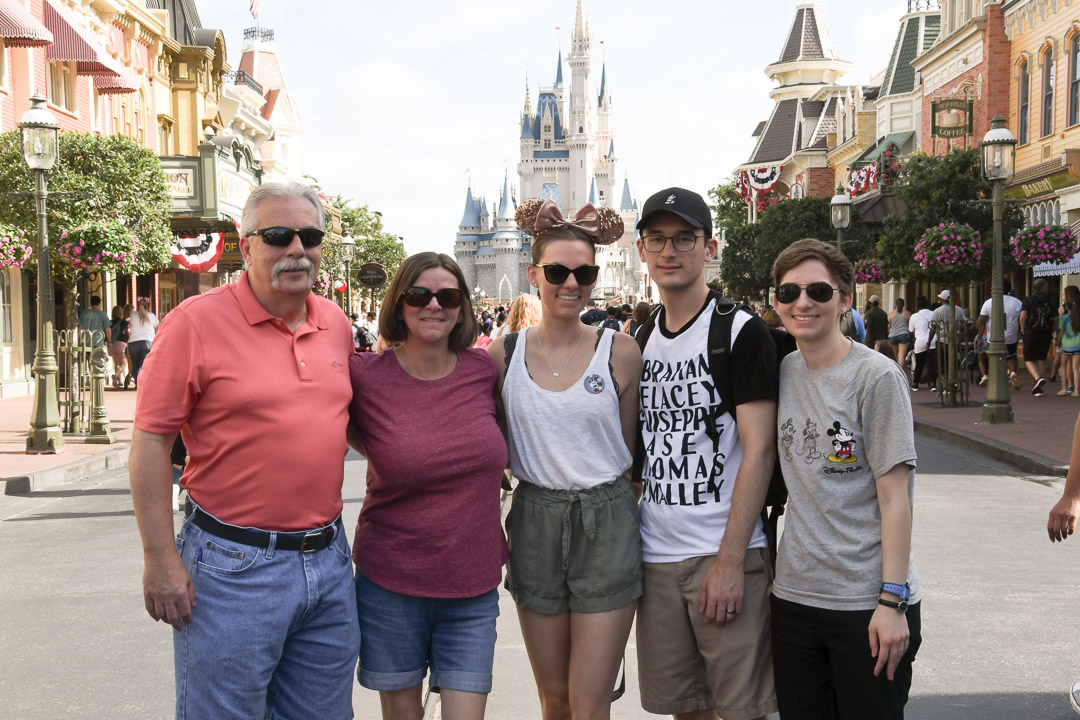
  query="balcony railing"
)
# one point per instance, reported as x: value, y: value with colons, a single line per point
x: 263, y: 34
x: 919, y: 5
x: 239, y: 77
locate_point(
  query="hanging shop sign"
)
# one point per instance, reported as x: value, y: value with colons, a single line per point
x: 951, y: 118
x: 372, y: 275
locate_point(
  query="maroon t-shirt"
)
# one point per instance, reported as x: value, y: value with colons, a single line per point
x: 430, y: 525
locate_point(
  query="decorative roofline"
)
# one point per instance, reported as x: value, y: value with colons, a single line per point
x: 923, y: 5
x: 262, y: 34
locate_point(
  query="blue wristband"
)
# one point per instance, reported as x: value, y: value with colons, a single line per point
x: 901, y: 591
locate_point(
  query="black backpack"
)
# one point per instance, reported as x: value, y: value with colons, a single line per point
x: 1044, y: 319
x: 364, y: 337
x: 120, y: 330
x: 719, y: 343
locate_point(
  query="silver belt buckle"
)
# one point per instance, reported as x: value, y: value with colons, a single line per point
x: 328, y: 531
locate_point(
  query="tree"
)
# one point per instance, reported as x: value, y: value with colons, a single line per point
x: 747, y: 260
x: 937, y: 189
x: 728, y: 208
x: 373, y: 243
x: 108, y: 183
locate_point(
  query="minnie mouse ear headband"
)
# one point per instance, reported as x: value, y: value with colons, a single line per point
x: 602, y: 225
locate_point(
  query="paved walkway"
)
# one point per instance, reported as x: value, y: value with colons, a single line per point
x: 1039, y: 439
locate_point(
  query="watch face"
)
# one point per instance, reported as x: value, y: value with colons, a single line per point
x: 902, y: 606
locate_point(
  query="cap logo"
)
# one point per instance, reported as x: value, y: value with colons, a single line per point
x: 670, y: 199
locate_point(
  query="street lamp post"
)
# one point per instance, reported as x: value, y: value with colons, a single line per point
x: 840, y: 205
x: 348, y: 246
x: 478, y: 295
x: 39, y: 130
x: 998, y: 158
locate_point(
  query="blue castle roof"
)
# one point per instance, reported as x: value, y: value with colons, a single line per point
x: 611, y: 149
x: 506, y: 205
x: 603, y: 84
x: 547, y: 101
x: 526, y: 128
x: 592, y: 192
x: 471, y: 217
x: 627, y: 201
x: 558, y: 72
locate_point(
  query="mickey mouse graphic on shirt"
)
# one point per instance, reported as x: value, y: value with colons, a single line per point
x: 843, y: 444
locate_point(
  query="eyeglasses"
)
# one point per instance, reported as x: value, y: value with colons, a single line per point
x: 557, y: 274
x: 682, y: 242
x: 282, y: 236
x: 821, y: 292
x: 448, y: 298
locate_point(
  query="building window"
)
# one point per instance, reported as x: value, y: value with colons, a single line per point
x: 1074, y: 80
x: 5, y: 306
x: 1049, y: 75
x: 163, y: 140
x: 1024, y: 93
x: 62, y: 85
x: 547, y: 144
x: 3, y: 64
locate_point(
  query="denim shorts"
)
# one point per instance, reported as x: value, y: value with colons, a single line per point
x: 574, y: 550
x: 401, y: 636
x: 901, y: 339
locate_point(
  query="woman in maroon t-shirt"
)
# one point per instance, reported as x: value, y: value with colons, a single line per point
x: 429, y: 547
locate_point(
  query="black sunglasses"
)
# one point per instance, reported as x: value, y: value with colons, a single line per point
x: 282, y: 236
x: 557, y: 274
x: 821, y: 292
x: 448, y: 298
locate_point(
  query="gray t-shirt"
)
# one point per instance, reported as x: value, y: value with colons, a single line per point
x: 839, y: 429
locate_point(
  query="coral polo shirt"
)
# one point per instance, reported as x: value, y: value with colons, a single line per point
x: 261, y: 409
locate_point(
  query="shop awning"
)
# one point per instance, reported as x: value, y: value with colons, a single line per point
x: 18, y: 27
x: 115, y: 84
x: 873, y: 153
x: 73, y: 43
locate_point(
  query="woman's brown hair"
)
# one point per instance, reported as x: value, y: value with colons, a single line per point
x: 835, y: 262
x: 392, y: 326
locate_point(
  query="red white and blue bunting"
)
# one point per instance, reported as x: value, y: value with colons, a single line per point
x: 863, y: 180
x: 198, y: 252
x: 758, y: 181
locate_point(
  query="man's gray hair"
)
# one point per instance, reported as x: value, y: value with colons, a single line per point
x: 278, y: 190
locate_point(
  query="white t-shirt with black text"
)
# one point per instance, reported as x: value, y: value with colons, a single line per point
x: 689, y: 469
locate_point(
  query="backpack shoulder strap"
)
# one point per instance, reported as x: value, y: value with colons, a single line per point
x: 509, y: 343
x: 723, y: 317
x: 642, y: 337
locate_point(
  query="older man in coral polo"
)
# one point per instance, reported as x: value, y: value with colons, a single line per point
x: 258, y: 583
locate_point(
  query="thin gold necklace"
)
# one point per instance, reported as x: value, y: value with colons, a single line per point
x: 540, y: 341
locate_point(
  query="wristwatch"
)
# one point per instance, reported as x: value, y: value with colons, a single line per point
x: 901, y: 606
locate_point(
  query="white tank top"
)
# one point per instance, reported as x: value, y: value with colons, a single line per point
x: 569, y: 440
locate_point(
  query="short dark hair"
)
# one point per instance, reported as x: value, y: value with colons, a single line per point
x: 95, y: 300
x: 835, y: 262
x: 392, y: 326
x: 612, y: 310
x: 1040, y: 285
x: 354, y: 316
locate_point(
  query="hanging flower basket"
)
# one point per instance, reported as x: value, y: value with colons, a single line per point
x: 15, y: 248
x: 321, y: 286
x: 950, y: 251
x: 868, y: 271
x: 1044, y: 244
x: 98, y: 245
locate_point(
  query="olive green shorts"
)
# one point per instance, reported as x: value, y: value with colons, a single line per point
x: 574, y: 550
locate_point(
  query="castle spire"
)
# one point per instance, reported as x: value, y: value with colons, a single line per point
x: 506, y: 204
x: 528, y: 102
x: 581, y: 28
x: 558, y: 71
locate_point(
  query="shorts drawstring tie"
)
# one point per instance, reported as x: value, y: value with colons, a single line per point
x: 588, y: 520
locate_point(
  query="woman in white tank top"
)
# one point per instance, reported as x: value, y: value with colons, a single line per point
x: 569, y: 393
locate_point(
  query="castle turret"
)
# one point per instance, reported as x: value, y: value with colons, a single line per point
x: 581, y: 142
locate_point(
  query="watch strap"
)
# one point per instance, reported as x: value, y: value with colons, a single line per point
x: 901, y: 591
x: 901, y: 606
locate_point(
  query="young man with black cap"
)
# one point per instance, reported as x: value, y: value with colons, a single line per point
x: 703, y: 622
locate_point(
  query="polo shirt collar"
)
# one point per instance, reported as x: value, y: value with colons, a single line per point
x: 255, y: 313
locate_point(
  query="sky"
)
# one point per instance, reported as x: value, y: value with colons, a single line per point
x: 405, y: 104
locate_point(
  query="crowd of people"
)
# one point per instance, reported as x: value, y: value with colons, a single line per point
x: 642, y: 445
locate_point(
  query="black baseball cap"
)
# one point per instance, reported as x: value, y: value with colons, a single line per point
x: 687, y: 204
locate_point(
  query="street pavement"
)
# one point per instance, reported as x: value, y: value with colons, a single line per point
x: 999, y: 638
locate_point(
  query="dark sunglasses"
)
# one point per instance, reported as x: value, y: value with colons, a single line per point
x: 282, y: 236
x: 821, y: 292
x: 448, y: 298
x: 557, y: 274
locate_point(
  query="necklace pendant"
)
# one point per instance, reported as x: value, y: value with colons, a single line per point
x: 555, y: 374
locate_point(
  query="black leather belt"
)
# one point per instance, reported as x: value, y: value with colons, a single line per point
x: 304, y: 541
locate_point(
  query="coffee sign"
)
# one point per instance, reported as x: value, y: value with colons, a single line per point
x: 951, y: 118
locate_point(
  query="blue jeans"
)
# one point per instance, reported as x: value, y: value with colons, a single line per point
x: 403, y: 635
x: 273, y: 633
x: 139, y: 350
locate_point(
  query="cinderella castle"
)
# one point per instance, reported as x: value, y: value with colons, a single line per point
x: 567, y: 155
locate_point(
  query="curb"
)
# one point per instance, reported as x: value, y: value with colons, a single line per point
x: 113, y: 459
x: 1015, y: 456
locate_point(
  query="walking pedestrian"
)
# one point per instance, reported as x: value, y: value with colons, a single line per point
x: 1038, y: 323
x: 254, y: 376
x: 922, y: 344
x: 93, y: 320
x: 143, y: 326
x: 899, y: 335
x: 845, y: 622
x: 119, y: 329
x: 983, y: 325
x: 429, y: 548
x: 1069, y: 339
x: 877, y: 322
x: 573, y: 530
x: 703, y: 620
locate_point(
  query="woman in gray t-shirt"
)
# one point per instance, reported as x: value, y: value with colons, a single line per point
x: 845, y: 605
